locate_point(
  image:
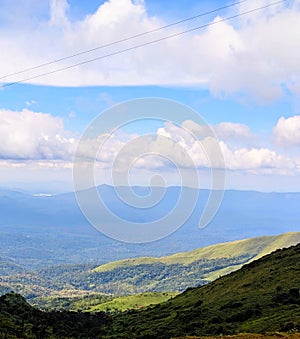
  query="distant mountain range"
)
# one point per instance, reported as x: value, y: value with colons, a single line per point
x: 38, y: 231
x: 172, y: 273
x: 261, y: 297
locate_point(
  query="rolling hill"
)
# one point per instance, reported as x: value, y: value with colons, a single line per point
x: 172, y: 273
x: 186, y: 269
x: 93, y: 302
x: 261, y: 297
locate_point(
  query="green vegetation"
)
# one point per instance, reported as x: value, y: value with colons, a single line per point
x: 261, y: 297
x: 8, y: 267
x: 20, y: 320
x: 78, y: 302
x: 172, y: 273
x: 137, y: 301
x: 102, y: 302
x: 253, y: 247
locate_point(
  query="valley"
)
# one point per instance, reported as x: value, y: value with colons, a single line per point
x: 51, y: 230
x: 261, y: 297
x: 63, y: 286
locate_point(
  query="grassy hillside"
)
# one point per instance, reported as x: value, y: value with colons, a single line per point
x: 20, y: 320
x: 136, y: 301
x: 133, y: 276
x: 186, y: 269
x: 255, y: 247
x: 100, y: 302
x: 262, y: 297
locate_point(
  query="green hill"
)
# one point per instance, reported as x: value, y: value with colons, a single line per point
x: 261, y: 297
x: 186, y: 269
x: 172, y: 273
x: 255, y: 247
x: 135, y: 301
x: 20, y: 320
x: 101, y: 302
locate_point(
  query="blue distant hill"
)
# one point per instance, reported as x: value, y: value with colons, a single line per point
x: 39, y: 230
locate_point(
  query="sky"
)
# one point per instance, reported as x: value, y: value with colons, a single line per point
x: 241, y: 75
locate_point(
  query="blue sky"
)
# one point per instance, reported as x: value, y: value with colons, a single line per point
x: 242, y: 76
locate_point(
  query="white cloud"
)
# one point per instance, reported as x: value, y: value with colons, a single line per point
x: 256, y: 159
x: 30, y: 135
x: 287, y: 131
x: 58, y: 12
x: 35, y: 148
x: 230, y: 130
x: 41, y: 139
x: 223, y: 130
x: 254, y: 55
x: 260, y: 159
x: 174, y: 144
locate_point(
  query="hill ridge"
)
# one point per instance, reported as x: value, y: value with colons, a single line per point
x: 140, y: 275
x: 262, y: 297
x: 182, y: 256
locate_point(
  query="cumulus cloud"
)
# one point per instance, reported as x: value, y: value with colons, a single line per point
x: 223, y: 130
x: 256, y: 55
x: 287, y: 131
x: 42, y: 140
x: 103, y: 148
x: 238, y: 158
x: 256, y: 159
x: 31, y: 135
x: 186, y: 146
x: 228, y: 130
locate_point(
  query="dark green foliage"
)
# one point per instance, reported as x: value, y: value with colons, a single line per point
x: 69, y: 303
x: 261, y: 297
x: 20, y: 320
x: 132, y: 279
x: 158, y: 276
x: 131, y: 276
x: 290, y: 297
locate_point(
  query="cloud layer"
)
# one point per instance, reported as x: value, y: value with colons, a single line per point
x: 255, y: 55
x: 36, y: 147
x: 40, y: 137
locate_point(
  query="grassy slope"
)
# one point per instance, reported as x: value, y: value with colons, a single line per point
x: 257, y: 247
x: 261, y: 297
x: 105, y: 303
x: 136, y: 301
x: 254, y: 248
x: 140, y: 275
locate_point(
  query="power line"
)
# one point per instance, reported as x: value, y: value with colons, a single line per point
x: 123, y: 40
x: 144, y: 44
